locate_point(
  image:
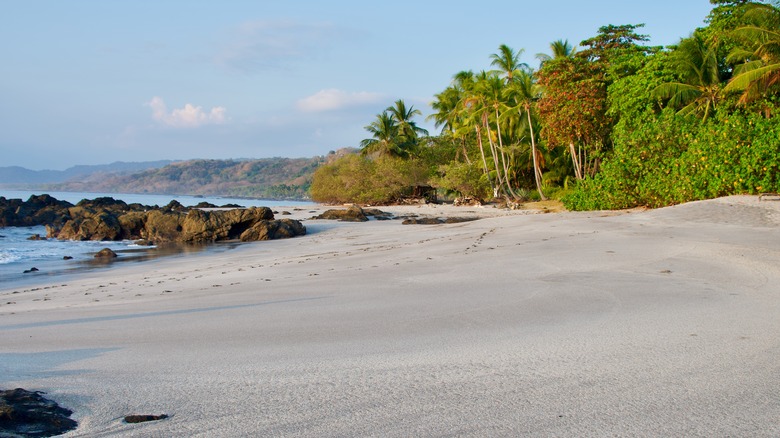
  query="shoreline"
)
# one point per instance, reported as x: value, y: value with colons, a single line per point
x: 597, y: 323
x: 57, y: 269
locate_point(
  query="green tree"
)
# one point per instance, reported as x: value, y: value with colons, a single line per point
x: 524, y: 93
x: 759, y: 48
x: 408, y: 131
x: 559, y: 49
x: 573, y: 110
x: 699, y: 88
x: 507, y: 62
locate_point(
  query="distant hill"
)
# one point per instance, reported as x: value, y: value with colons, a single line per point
x: 269, y: 178
x: 15, y: 175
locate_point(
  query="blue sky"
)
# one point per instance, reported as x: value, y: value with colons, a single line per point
x: 92, y: 82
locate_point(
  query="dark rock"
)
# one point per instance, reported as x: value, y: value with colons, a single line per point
x: 104, y: 203
x: 91, y: 225
x: 352, y: 214
x: 204, y: 204
x: 111, y: 220
x: 286, y: 213
x: 36, y: 237
x: 144, y: 418
x: 105, y: 253
x: 27, y: 271
x: 231, y: 206
x: 423, y: 221
x: 67, y: 258
x: 28, y: 414
x: 211, y: 226
x: 273, y: 229
x: 457, y: 220
x: 377, y: 213
x: 436, y: 221
x: 175, y: 205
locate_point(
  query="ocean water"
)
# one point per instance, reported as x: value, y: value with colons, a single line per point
x: 18, y: 254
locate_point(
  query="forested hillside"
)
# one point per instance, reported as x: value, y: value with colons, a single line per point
x: 270, y: 178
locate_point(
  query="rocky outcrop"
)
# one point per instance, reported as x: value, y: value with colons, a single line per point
x: 352, y: 214
x: 28, y: 414
x: 37, y: 210
x: 172, y: 225
x: 106, y: 219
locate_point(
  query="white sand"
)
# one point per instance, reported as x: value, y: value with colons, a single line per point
x: 655, y: 323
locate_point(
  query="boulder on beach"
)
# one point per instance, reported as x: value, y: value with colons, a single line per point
x: 105, y: 253
x: 132, y: 419
x: 28, y: 414
x: 352, y: 214
x: 277, y: 229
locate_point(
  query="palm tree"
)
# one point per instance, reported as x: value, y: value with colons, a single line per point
x: 403, y: 116
x: 524, y: 92
x: 447, y: 114
x: 490, y: 91
x: 700, y: 85
x: 761, y: 52
x: 384, y: 141
x: 470, y: 113
x: 559, y: 49
x: 508, y: 62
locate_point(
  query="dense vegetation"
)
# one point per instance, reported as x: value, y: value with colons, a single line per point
x: 612, y: 123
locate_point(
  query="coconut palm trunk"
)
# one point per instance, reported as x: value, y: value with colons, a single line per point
x: 484, y: 159
x: 575, y: 159
x: 537, y: 168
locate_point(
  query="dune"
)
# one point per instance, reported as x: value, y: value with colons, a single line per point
x: 636, y: 323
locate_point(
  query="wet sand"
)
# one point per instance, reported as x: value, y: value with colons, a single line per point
x: 649, y: 323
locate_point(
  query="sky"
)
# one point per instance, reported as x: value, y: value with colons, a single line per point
x: 93, y: 82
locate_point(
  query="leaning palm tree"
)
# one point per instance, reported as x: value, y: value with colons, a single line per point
x: 700, y: 86
x: 559, y: 49
x: 447, y: 115
x: 524, y: 93
x: 760, y: 52
x: 384, y: 141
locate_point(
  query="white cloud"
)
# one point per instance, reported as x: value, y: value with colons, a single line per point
x: 333, y: 99
x: 189, y: 116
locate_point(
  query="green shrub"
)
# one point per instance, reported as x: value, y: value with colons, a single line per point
x: 359, y: 179
x: 669, y: 159
x: 466, y: 179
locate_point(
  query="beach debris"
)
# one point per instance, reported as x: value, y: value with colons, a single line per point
x: 28, y: 414
x: 105, y: 253
x: 33, y: 269
x: 468, y: 201
x: 144, y: 418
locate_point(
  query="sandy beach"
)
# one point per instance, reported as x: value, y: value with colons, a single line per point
x: 634, y: 323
